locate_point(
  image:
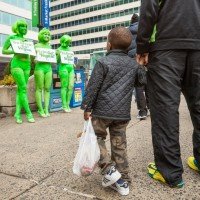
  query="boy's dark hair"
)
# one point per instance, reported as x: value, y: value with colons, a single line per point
x: 120, y: 38
x: 134, y: 18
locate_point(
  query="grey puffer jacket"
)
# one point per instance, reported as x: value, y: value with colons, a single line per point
x: 109, y: 91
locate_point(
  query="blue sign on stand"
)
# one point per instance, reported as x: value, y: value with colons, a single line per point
x: 45, y: 13
x: 79, y: 89
x: 78, y: 93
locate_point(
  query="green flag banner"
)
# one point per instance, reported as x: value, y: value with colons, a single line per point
x: 35, y: 13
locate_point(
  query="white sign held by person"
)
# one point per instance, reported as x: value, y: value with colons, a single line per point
x: 46, y: 55
x: 23, y: 47
x: 67, y: 57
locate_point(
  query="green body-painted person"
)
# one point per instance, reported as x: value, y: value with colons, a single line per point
x: 20, y: 70
x: 43, y: 75
x: 66, y: 73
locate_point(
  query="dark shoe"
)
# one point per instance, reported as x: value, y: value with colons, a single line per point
x: 142, y: 114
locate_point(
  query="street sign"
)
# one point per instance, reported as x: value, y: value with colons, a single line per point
x: 45, y: 13
x: 35, y: 13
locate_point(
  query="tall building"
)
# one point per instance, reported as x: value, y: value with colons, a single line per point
x: 10, y: 11
x: 89, y: 21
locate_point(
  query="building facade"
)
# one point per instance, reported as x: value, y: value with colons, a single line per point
x: 10, y: 11
x: 88, y: 22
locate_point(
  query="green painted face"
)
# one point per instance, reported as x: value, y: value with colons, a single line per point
x: 44, y: 36
x: 65, y: 41
x: 22, y: 28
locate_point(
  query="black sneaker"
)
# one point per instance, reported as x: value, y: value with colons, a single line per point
x: 142, y: 114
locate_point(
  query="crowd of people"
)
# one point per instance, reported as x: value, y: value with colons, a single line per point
x: 21, y: 67
x: 165, y: 40
x: 168, y: 44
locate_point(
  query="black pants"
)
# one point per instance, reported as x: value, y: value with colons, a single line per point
x: 169, y: 73
x: 141, y: 95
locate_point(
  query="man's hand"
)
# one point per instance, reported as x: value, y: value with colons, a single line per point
x: 142, y: 59
x: 87, y: 115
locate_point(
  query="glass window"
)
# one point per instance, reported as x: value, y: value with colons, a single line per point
x: 6, y: 18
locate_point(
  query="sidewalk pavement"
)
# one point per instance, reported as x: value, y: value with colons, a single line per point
x: 36, y: 161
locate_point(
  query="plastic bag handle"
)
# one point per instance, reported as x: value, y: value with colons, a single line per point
x: 86, y: 123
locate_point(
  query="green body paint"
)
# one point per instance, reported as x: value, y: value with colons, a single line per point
x: 43, y: 75
x: 66, y: 73
x: 20, y: 70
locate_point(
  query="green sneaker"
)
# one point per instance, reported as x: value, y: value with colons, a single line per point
x: 192, y: 163
x: 18, y: 119
x: 41, y: 113
x: 156, y: 175
x: 47, y: 114
x: 30, y: 118
x: 67, y: 109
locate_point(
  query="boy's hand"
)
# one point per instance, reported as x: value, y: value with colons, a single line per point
x: 142, y: 59
x: 87, y: 115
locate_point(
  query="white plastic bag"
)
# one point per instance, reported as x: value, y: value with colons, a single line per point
x: 88, y: 152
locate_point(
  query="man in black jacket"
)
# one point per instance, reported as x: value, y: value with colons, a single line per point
x: 169, y: 41
x: 140, y: 92
x: 108, y: 98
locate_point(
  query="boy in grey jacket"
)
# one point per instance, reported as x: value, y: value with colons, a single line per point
x: 108, y: 100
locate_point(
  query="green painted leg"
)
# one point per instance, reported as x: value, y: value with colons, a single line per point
x: 64, y: 82
x: 20, y: 78
x: 29, y: 115
x: 47, y: 87
x: 70, y: 89
x: 17, y: 115
x: 39, y: 83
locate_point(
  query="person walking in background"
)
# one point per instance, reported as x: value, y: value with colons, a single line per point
x: 140, y: 92
x: 169, y: 42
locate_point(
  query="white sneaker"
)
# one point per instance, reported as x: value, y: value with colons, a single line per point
x: 111, y: 177
x: 121, y: 186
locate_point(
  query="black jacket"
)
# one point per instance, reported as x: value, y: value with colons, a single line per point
x: 177, y: 23
x: 132, y: 49
x: 110, y: 88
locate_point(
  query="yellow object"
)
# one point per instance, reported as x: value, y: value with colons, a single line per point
x: 191, y: 163
x: 154, y: 173
x: 7, y: 80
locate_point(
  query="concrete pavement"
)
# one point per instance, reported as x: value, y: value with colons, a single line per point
x: 36, y: 161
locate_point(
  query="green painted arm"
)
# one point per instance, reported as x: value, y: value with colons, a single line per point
x: 6, y: 47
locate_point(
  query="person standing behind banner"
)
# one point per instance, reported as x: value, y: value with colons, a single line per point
x: 168, y: 42
x: 43, y: 74
x: 66, y: 73
x: 20, y: 70
x: 140, y: 92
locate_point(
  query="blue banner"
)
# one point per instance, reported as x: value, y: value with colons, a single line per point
x: 45, y: 13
